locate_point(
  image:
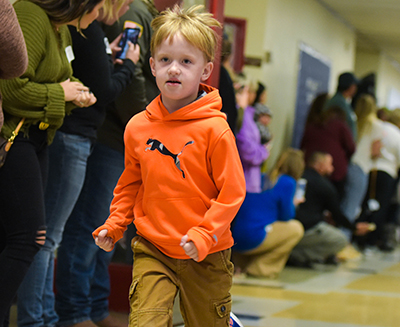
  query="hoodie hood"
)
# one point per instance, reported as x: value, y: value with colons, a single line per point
x: 205, y: 107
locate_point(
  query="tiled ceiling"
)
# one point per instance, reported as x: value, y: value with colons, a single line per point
x: 377, y: 23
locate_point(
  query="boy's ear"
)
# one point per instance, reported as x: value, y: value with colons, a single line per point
x: 152, y: 65
x: 207, y: 71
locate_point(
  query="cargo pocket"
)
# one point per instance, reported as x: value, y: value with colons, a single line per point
x: 227, y: 264
x: 223, y: 311
x: 132, y: 290
x: 133, y: 302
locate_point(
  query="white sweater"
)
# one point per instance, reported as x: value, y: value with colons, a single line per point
x: 389, y: 161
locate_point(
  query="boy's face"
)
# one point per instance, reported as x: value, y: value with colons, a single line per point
x: 179, y: 67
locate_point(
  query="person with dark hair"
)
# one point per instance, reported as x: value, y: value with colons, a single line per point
x: 321, y: 240
x: 68, y: 156
x: 327, y: 131
x: 43, y: 95
x: 346, y: 89
x: 366, y: 85
x: 253, y: 148
x: 261, y: 94
x: 226, y: 88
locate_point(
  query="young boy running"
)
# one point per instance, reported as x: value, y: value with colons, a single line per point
x: 182, y: 185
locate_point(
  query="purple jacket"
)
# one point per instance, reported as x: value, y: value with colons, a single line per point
x: 252, y: 152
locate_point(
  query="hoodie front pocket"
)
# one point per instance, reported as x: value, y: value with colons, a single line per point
x: 172, y: 218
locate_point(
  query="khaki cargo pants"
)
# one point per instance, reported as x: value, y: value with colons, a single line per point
x: 203, y: 288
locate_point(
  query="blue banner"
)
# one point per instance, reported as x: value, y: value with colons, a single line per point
x: 313, y: 78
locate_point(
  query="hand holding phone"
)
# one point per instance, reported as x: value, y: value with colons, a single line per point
x: 301, y: 189
x: 129, y: 34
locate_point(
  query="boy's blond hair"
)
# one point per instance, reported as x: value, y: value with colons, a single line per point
x: 193, y: 25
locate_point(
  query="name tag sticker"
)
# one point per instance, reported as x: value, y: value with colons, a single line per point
x: 108, y: 48
x: 70, y: 53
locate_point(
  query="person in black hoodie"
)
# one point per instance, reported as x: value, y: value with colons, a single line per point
x: 321, y: 240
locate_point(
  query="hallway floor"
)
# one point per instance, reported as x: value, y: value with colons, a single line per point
x: 363, y: 292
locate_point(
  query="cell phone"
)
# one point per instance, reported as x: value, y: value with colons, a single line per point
x: 301, y: 189
x: 129, y: 34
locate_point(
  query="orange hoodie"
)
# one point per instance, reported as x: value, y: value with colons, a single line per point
x: 182, y: 176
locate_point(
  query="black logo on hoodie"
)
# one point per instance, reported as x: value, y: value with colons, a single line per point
x: 157, y: 145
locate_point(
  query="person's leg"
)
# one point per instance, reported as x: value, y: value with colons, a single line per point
x: 385, y: 187
x: 318, y: 243
x: 269, y: 259
x: 22, y: 214
x: 100, y: 290
x: 340, y: 187
x: 354, y: 193
x: 154, y: 286
x: 204, y: 290
x: 67, y: 164
x: 82, y: 278
x: 240, y: 261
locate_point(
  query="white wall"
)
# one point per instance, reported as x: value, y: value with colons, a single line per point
x: 367, y: 62
x: 388, y: 80
x: 254, y: 11
x: 387, y: 76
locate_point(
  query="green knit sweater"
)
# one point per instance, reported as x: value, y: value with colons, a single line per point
x: 37, y: 94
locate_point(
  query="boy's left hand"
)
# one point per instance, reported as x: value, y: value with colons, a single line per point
x: 190, y: 248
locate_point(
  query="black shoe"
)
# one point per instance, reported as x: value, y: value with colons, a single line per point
x: 299, y: 264
x: 331, y: 260
x: 386, y: 247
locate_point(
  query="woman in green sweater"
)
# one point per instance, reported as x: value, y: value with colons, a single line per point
x: 42, y: 95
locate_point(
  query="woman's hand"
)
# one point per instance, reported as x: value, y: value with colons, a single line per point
x: 376, y: 147
x: 268, y: 146
x: 362, y: 228
x: 297, y: 201
x: 133, y: 52
x: 72, y: 89
x: 114, y: 46
x: 85, y: 99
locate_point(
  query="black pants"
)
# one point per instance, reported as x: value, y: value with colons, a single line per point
x: 22, y: 214
x: 385, y: 186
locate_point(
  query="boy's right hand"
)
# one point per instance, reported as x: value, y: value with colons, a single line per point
x: 190, y: 248
x: 103, y: 241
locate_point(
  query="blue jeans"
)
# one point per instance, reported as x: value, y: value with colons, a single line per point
x: 82, y: 278
x: 354, y: 192
x: 67, y: 167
